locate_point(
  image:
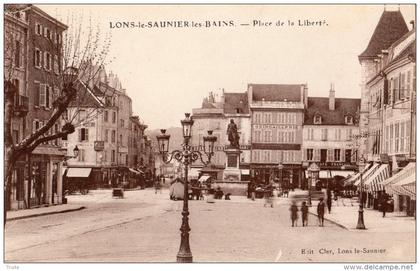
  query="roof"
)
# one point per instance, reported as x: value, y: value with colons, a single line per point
x: 409, y: 50
x: 276, y: 92
x: 390, y: 28
x: 320, y: 105
x: 234, y: 101
x: 85, y: 97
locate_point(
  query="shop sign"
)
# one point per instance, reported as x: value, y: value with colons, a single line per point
x: 275, y: 126
x: 331, y: 164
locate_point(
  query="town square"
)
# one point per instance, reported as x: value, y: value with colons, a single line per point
x: 210, y: 134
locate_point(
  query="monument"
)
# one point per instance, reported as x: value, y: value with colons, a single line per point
x: 232, y: 172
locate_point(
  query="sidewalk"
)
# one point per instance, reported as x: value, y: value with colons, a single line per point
x: 347, y: 216
x: 55, y: 209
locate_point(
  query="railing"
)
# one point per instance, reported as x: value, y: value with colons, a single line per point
x: 21, y: 105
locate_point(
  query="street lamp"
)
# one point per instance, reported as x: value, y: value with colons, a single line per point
x: 280, y: 167
x: 360, y: 221
x: 185, y: 156
x: 75, y: 154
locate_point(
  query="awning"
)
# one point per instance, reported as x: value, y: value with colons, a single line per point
x: 343, y: 173
x: 375, y: 182
x: 133, y: 170
x: 367, y: 174
x: 244, y: 171
x: 204, y: 178
x: 78, y: 172
x: 403, y: 183
x: 193, y: 173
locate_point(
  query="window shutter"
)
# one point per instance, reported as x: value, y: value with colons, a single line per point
x: 47, y: 96
x: 353, y: 155
x: 87, y: 134
x: 37, y: 93
x: 305, y: 154
x: 330, y: 155
x: 42, y: 93
x: 342, y: 155
x: 80, y: 135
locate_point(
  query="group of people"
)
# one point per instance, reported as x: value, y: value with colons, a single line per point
x: 304, y: 212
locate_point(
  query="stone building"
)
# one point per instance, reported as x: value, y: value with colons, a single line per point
x: 215, y: 114
x: 277, y: 115
x: 329, y: 129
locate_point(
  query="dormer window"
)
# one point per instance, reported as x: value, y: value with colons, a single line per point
x: 348, y: 120
x: 317, y: 119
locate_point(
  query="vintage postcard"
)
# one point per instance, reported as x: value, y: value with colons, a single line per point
x: 210, y: 133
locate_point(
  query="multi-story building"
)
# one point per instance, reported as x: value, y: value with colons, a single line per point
x: 136, y: 142
x: 277, y: 114
x: 103, y: 134
x: 390, y: 28
x: 389, y: 99
x: 329, y: 129
x: 215, y: 114
x: 44, y: 59
x: 16, y: 71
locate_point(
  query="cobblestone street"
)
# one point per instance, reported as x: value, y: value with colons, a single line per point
x: 144, y: 227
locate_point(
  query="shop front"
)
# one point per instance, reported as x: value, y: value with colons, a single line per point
x: 289, y: 175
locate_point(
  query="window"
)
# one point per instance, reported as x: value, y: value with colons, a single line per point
x: 46, y: 32
x: 402, y: 90
x: 310, y: 154
x: 257, y: 136
x: 106, y: 135
x: 42, y: 94
x: 17, y: 54
x: 391, y: 138
x: 122, y: 123
x: 106, y: 116
x: 37, y: 58
x: 114, y: 117
x: 38, y: 29
x: 408, y: 89
x: 324, y: 135
x: 402, y: 145
x: 267, y: 136
x: 113, y: 136
x: 56, y: 65
x: 323, y: 155
x: 347, y: 155
x: 15, y: 136
x: 336, y: 155
x: 317, y: 119
x: 83, y: 134
x: 58, y: 38
x: 121, y: 141
x: 48, y: 96
x: 349, y: 120
x: 47, y: 61
x: 113, y: 156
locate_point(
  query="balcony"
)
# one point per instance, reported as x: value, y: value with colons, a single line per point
x: 21, y: 107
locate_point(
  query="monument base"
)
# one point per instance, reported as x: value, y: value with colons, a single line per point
x: 232, y: 187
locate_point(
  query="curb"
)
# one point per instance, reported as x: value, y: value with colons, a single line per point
x: 332, y: 221
x: 46, y: 213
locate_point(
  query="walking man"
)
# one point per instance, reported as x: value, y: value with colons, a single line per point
x: 304, y: 210
x: 294, y: 213
x: 321, y: 211
x: 329, y: 200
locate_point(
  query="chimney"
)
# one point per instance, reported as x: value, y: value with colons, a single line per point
x: 222, y: 98
x: 413, y: 24
x: 250, y: 94
x: 331, y: 100
x: 305, y: 95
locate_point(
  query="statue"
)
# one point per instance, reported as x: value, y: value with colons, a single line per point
x: 233, y: 136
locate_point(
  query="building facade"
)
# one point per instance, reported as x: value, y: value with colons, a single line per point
x: 215, y: 115
x: 16, y: 71
x: 330, y: 127
x: 277, y: 115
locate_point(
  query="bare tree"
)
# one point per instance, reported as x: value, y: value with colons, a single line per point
x: 80, y: 54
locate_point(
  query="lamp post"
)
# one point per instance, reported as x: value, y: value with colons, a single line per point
x: 75, y: 154
x: 186, y: 156
x: 360, y: 220
x: 280, y: 167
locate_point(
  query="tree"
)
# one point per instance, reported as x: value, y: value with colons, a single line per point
x: 79, y: 55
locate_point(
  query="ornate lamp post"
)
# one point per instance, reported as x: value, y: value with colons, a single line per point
x: 75, y: 154
x: 186, y: 156
x: 360, y: 221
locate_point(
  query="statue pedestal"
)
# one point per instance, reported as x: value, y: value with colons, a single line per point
x: 232, y: 172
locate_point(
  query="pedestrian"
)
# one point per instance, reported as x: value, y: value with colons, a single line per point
x: 304, y: 210
x: 329, y: 200
x: 364, y: 198
x: 252, y: 189
x: 384, y: 203
x: 294, y: 213
x: 321, y: 211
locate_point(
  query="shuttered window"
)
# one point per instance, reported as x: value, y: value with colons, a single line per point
x: 42, y: 95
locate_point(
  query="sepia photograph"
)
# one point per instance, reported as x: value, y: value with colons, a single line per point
x: 209, y: 133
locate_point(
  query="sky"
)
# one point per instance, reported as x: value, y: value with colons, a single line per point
x: 168, y: 71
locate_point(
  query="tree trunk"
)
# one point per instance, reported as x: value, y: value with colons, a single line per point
x: 9, y: 161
